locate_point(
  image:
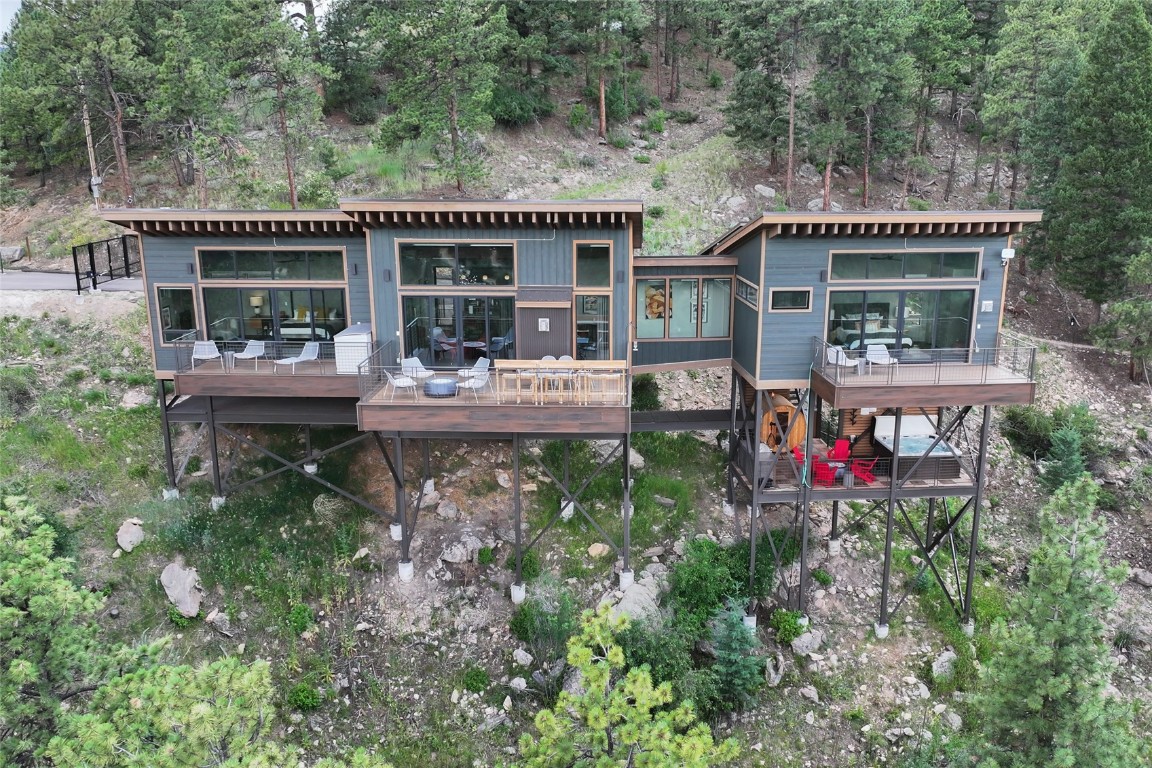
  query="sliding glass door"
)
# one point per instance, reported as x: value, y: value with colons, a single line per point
x: 457, y: 330
x: 901, y: 320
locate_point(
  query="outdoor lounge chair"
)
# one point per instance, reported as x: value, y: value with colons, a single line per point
x: 400, y: 382
x: 823, y: 472
x: 480, y: 367
x: 414, y: 369
x: 838, y: 358
x: 253, y: 351
x: 475, y: 383
x: 311, y: 351
x: 878, y: 355
x: 862, y: 469
x: 206, y: 350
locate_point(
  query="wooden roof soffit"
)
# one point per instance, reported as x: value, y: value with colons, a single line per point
x: 880, y: 224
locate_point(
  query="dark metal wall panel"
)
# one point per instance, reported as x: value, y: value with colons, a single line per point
x: 745, y: 324
x: 748, y: 254
x: 172, y: 261
x: 533, y: 344
x: 680, y: 351
x: 801, y: 262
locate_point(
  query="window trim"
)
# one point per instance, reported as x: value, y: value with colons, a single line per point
x: 979, y: 251
x: 791, y: 310
x: 248, y: 282
x: 407, y: 289
x: 197, y: 314
x: 595, y: 290
x: 751, y: 285
x: 699, y: 319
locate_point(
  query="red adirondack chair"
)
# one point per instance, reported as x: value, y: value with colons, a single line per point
x: 823, y: 472
x: 862, y: 469
x: 841, y: 450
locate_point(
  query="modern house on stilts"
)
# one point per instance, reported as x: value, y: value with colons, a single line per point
x: 866, y: 349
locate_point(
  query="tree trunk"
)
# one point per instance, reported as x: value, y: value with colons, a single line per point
x: 791, y: 140
x: 994, y: 185
x: 828, y: 179
x: 976, y: 162
x: 867, y: 155
x: 454, y: 131
x: 951, y: 172
x: 314, y: 41
x: 602, y: 123
x: 119, y: 143
x: 904, y: 188
x: 288, y: 164
x: 1015, y: 175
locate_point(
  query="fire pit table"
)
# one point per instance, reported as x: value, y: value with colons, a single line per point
x: 440, y: 387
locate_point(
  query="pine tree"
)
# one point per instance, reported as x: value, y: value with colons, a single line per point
x: 1127, y: 325
x: 1065, y: 460
x: 1042, y: 695
x: 617, y: 720
x: 1100, y: 208
x: 446, y: 54
x: 739, y: 668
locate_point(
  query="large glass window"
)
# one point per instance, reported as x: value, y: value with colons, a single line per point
x: 904, y: 265
x: 458, y: 330
x: 177, y: 313
x: 457, y: 264
x: 271, y: 265
x: 901, y: 320
x: 683, y: 308
x: 274, y: 313
x: 593, y: 330
x: 593, y: 265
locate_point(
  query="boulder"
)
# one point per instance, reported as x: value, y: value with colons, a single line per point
x: 1142, y: 576
x: 641, y: 601
x: 447, y: 510
x: 808, y: 642
x: 664, y: 501
x: 735, y: 203
x: 808, y: 171
x: 463, y: 551
x: 943, y: 665
x: 603, y: 448
x: 182, y: 585
x: 130, y: 534
x: 518, y: 684
x: 10, y: 254
x: 598, y: 549
x: 503, y: 479
x: 430, y: 500
x: 817, y: 203
x: 522, y: 657
x: 765, y: 191
x: 810, y: 693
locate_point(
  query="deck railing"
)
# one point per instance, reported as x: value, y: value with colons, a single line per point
x: 273, y: 350
x: 923, y: 366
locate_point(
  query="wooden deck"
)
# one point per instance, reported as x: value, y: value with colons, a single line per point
x: 910, y: 386
x: 263, y: 379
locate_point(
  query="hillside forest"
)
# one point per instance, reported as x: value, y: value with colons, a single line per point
x: 310, y: 654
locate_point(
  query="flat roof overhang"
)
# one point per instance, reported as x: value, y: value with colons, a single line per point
x: 483, y: 214
x: 879, y: 224
x: 178, y: 222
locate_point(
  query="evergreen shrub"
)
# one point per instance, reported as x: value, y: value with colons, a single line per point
x: 513, y: 107
x: 476, y: 679
x: 787, y: 626
x: 645, y: 392
x: 303, y: 697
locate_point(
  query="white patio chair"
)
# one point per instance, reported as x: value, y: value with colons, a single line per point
x: 414, y: 369
x: 253, y: 351
x: 310, y: 352
x: 877, y: 354
x: 206, y: 350
x: 838, y: 358
x: 400, y: 382
x: 481, y: 367
x: 476, y: 382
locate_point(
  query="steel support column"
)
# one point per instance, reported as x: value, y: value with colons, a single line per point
x: 169, y: 464
x: 519, y: 582
x: 216, y: 484
x: 891, y: 520
x: 982, y: 468
x: 627, y: 511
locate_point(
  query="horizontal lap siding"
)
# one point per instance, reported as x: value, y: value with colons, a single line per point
x: 798, y: 262
x: 745, y: 320
x: 543, y: 257
x: 172, y: 261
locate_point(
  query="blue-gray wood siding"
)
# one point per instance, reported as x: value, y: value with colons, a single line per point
x: 680, y: 351
x: 745, y: 320
x: 799, y: 262
x: 172, y: 260
x: 543, y: 257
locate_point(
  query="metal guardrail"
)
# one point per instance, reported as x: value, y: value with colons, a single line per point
x: 273, y: 350
x: 103, y: 261
x: 924, y: 366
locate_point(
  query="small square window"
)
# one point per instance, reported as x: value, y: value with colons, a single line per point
x: 791, y: 300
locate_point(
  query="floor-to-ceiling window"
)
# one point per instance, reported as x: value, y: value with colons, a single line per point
x: 457, y: 330
x: 916, y: 319
x: 288, y: 294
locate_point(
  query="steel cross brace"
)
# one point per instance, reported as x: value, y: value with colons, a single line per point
x: 574, y: 498
x: 297, y: 466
